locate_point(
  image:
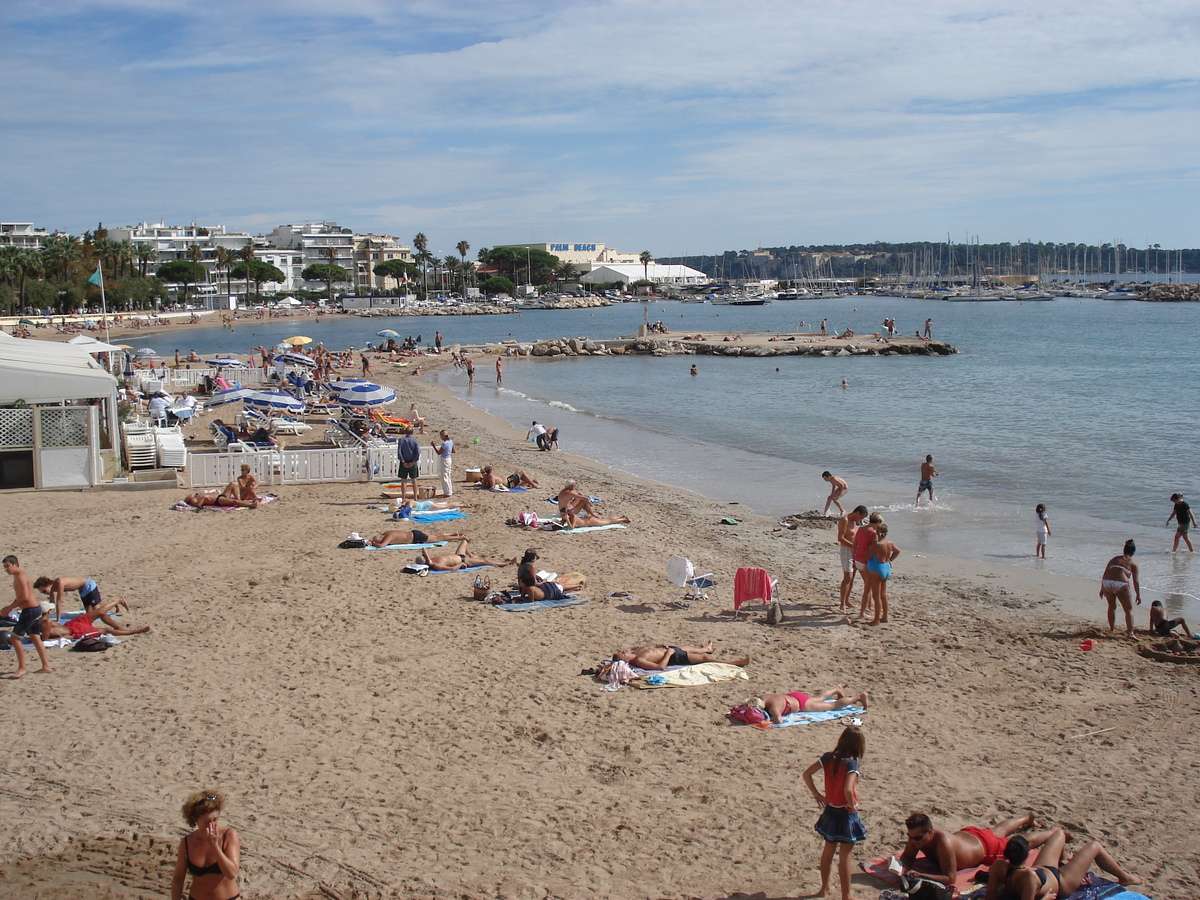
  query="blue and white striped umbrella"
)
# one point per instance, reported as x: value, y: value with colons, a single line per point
x: 300, y: 359
x: 225, y: 361
x: 274, y: 400
x: 233, y: 395
x: 343, y: 384
x: 365, y: 395
x: 387, y: 332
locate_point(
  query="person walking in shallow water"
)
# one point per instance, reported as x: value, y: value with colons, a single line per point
x: 928, y: 473
x: 1043, y: 531
x: 1184, y: 520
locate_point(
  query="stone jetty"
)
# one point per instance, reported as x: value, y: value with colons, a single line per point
x: 1172, y: 293
x: 710, y: 343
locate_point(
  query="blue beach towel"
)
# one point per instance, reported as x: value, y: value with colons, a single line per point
x: 808, y: 718
x: 459, y: 571
x: 1094, y: 888
x: 541, y: 604
x: 438, y: 515
x: 406, y: 546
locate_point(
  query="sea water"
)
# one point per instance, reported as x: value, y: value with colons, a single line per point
x: 1084, y: 405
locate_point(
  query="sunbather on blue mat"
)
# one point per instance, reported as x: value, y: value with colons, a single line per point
x: 1050, y: 876
x: 415, y: 536
x: 461, y: 558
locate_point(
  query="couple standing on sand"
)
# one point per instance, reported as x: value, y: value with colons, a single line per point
x: 865, y: 550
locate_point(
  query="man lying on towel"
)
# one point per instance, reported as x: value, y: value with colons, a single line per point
x: 388, y: 538
x: 972, y: 846
x: 662, y: 655
x: 461, y: 558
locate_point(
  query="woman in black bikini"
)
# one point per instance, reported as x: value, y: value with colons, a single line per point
x: 211, y: 854
x: 1011, y: 879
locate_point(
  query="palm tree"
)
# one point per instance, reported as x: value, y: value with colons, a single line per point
x: 145, y: 254
x: 125, y: 255
x: 27, y: 262
x: 462, y: 247
x: 224, y: 262
x: 452, y: 266
x: 421, y: 245
x: 58, y: 252
x: 246, y: 254
x: 564, y: 272
x: 645, y: 258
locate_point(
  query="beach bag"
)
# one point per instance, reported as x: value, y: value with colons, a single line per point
x: 416, y: 568
x: 90, y: 645
x: 750, y: 715
x: 530, y: 519
x: 920, y: 889
x: 403, y: 512
x: 483, y: 587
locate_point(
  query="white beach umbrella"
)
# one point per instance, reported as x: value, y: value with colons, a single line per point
x: 232, y: 395
x: 300, y: 359
x: 365, y: 395
x: 225, y: 362
x: 274, y: 400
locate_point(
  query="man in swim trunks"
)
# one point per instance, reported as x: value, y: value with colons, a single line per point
x: 963, y: 849
x: 837, y: 487
x: 662, y: 655
x: 928, y: 473
x: 81, y: 627
x: 28, y: 625
x: 89, y: 595
x: 388, y: 538
x: 571, y: 503
x: 461, y: 559
x: 847, y: 527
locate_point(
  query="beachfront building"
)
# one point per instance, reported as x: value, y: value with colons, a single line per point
x: 58, y: 416
x: 369, y: 251
x: 23, y: 235
x: 583, y: 256
x: 317, y: 243
x: 172, y: 242
x: 289, y: 262
x: 629, y: 273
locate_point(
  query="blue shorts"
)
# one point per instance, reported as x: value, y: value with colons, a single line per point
x: 552, y: 590
x: 90, y: 594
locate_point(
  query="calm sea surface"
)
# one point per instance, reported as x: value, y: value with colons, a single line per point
x: 1079, y: 404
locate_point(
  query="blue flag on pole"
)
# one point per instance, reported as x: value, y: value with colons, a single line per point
x: 96, y: 277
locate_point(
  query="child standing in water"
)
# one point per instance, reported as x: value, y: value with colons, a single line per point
x: 1043, y: 531
x: 839, y: 824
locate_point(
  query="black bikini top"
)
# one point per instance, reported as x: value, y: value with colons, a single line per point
x: 214, y: 869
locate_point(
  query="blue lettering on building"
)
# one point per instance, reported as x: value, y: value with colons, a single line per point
x: 577, y: 248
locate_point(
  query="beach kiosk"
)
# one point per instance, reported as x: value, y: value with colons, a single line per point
x: 58, y: 416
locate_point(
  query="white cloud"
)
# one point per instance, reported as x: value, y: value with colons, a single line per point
x: 685, y: 126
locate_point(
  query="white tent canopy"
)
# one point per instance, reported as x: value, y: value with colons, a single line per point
x: 288, y: 301
x: 40, y: 372
x: 91, y: 345
x: 629, y: 273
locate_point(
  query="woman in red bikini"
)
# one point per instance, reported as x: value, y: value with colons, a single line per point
x: 779, y: 705
x: 212, y: 854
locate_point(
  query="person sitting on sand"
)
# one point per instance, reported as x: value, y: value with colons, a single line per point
x: 779, y: 705
x: 662, y: 655
x: 964, y: 849
x: 571, y: 503
x: 1051, y: 877
x: 388, y: 538
x: 1163, y: 627
x: 534, y: 588
x: 247, y: 485
x: 461, y: 559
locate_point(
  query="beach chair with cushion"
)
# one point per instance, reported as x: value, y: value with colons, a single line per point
x: 693, y: 587
x: 388, y: 422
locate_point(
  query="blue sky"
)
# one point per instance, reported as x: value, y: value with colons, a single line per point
x: 678, y: 127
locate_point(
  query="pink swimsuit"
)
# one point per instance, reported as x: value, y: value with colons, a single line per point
x: 800, y: 698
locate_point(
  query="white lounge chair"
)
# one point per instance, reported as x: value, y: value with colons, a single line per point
x: 682, y: 574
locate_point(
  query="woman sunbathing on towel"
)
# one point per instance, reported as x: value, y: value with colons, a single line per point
x: 516, y: 479
x: 1010, y: 877
x: 779, y: 705
x: 228, y: 497
x: 595, y: 521
x: 460, y: 559
x: 534, y: 588
x: 413, y: 537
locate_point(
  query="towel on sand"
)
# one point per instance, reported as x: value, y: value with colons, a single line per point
x: 808, y: 718
x: 688, y: 676
x: 459, y: 571
x: 406, y: 546
x: 436, y: 515
x: 541, y: 604
x: 1093, y: 888
x: 964, y: 881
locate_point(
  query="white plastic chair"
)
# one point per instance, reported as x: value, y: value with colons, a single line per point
x: 682, y: 574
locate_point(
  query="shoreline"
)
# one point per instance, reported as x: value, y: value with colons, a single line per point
x: 384, y: 734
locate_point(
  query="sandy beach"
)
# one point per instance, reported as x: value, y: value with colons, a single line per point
x: 383, y: 735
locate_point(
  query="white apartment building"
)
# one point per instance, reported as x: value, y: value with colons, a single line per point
x: 289, y: 262
x: 173, y: 242
x: 317, y: 242
x: 23, y: 235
